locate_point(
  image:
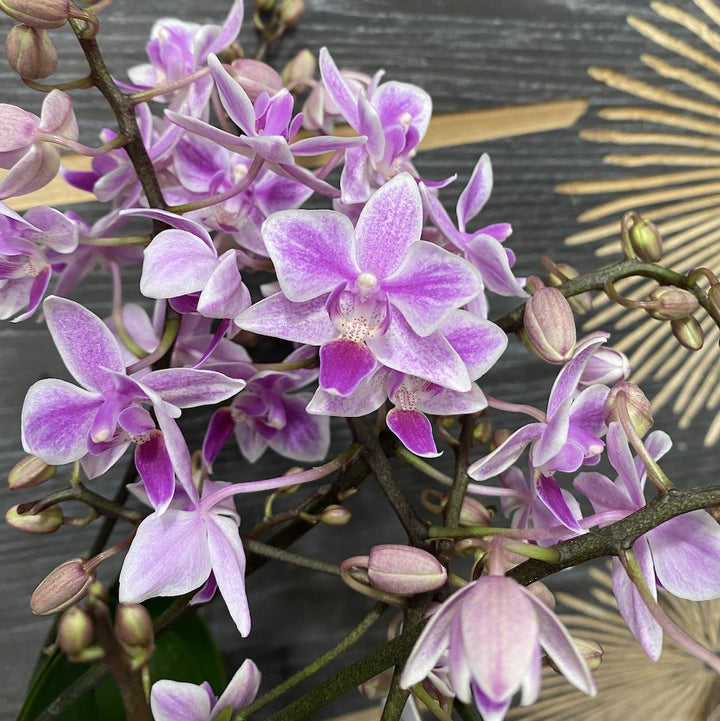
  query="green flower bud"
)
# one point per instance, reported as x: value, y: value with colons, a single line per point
x: 549, y: 326
x: 45, y: 521
x: 688, y: 332
x: 29, y: 472
x: 75, y: 631
x: 134, y: 630
x: 404, y: 570
x: 46, y: 14
x: 671, y: 303
x: 591, y: 651
x: 30, y: 52
x: 645, y: 240
x: 63, y: 587
x: 291, y: 11
x: 335, y: 515
x: 559, y: 273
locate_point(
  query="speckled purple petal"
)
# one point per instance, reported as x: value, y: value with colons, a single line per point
x: 414, y: 430
x: 343, y: 364
x: 476, y: 192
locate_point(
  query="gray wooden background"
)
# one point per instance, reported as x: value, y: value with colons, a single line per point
x: 468, y: 54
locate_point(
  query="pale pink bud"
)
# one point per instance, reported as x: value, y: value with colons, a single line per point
x: 75, y: 631
x: 45, y: 14
x: 636, y: 402
x: 301, y: 67
x: 63, y: 587
x: 474, y: 513
x: 591, y: 651
x: 29, y: 472
x: 255, y: 77
x: 671, y: 303
x: 549, y: 326
x: 404, y: 570
x: 30, y: 52
x: 45, y: 521
x: 607, y: 366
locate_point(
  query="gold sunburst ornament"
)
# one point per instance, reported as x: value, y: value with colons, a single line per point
x: 677, y: 687
x: 674, y: 142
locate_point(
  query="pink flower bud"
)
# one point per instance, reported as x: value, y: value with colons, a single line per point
x: 29, y: 472
x: 45, y: 521
x: 30, y: 52
x: 404, y: 570
x: 671, y: 303
x: 549, y: 326
x: 301, y: 67
x: 474, y: 513
x: 75, y: 631
x: 45, y: 14
x: 63, y: 587
x: 636, y: 402
x: 291, y: 11
x: 255, y: 77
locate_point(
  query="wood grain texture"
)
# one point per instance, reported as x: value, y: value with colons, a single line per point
x: 467, y: 54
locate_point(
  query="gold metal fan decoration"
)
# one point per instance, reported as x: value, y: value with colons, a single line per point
x: 675, y: 143
x: 677, y: 687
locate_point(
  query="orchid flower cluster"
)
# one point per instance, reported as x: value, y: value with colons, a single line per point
x: 381, y: 301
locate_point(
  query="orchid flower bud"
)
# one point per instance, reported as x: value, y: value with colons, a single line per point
x: 404, y: 570
x: 474, y: 513
x: 559, y: 273
x: 29, y: 472
x: 45, y: 521
x: 645, y: 240
x: 30, y: 52
x: 255, y: 77
x: 549, y: 326
x: 591, y: 651
x: 45, y: 14
x: 636, y: 403
x: 291, y: 11
x: 688, y: 332
x: 606, y: 366
x: 75, y: 631
x: 63, y: 587
x: 301, y: 67
x: 134, y: 631
x: 334, y: 515
x: 671, y: 303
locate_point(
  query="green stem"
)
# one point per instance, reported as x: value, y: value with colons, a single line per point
x: 312, y: 668
x: 423, y: 466
x: 389, y: 654
x: 279, y: 554
x: 79, y: 84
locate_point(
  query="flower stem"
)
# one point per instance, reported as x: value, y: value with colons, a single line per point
x: 279, y: 554
x: 423, y: 466
x: 352, y: 637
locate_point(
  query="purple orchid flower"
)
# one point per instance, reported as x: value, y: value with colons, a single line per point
x: 483, y: 248
x: 193, y: 543
x: 62, y: 423
x: 270, y: 413
x: 177, y: 49
x: 393, y: 121
x: 182, y: 264
x: 565, y: 438
x: 488, y: 637
x: 373, y: 293
x: 682, y: 555
x: 478, y: 342
x: 25, y: 268
x: 268, y: 128
x: 28, y: 143
x: 178, y: 701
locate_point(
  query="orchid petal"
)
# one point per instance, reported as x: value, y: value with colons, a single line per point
x: 343, y: 364
x: 173, y: 700
x: 506, y: 454
x: 414, y: 430
x: 476, y: 192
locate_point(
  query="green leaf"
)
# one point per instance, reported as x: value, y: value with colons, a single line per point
x: 185, y: 652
